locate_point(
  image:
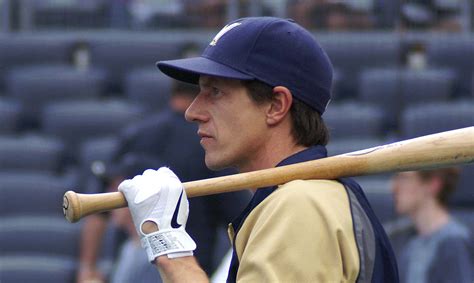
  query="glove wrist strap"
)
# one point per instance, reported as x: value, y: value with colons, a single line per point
x: 172, y: 242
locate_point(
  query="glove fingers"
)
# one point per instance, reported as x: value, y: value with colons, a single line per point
x: 126, y: 187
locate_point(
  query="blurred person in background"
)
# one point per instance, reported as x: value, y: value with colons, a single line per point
x: 164, y: 139
x: 329, y: 15
x: 434, y: 15
x: 431, y: 246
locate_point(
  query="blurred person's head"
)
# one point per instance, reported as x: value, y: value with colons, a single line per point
x: 416, y: 189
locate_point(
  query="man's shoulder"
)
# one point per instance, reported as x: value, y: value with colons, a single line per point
x: 320, y: 195
x: 308, y: 188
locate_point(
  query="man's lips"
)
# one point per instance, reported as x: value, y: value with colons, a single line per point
x: 204, y: 137
x: 204, y: 134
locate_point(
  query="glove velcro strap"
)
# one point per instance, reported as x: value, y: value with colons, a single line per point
x: 168, y: 242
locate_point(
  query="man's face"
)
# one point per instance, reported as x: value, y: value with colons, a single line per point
x: 409, y: 192
x: 232, y: 126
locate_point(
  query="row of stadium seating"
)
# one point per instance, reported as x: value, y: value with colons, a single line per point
x: 76, y: 121
x: 349, y: 52
x: 387, y: 96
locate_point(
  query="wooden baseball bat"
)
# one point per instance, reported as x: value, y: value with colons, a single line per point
x: 432, y: 151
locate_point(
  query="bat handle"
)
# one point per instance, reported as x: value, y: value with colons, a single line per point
x: 76, y: 206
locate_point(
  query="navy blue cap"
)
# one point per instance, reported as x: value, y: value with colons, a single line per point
x: 275, y: 51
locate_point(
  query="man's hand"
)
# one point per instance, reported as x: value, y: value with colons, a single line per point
x: 157, y: 199
x: 89, y: 275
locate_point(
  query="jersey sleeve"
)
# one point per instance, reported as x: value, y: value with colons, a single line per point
x: 303, y: 232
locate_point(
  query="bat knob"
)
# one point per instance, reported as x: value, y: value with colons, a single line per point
x: 71, y: 207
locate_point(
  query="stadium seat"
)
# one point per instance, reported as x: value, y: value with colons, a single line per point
x: 35, y: 193
x: 30, y: 153
x: 431, y: 118
x: 394, y: 89
x: 10, y: 112
x: 36, y: 86
x: 456, y: 52
x: 464, y: 194
x: 71, y: 14
x: 135, y: 52
x: 378, y: 192
x: 149, y: 87
x: 381, y: 87
x: 18, y: 50
x: 75, y: 122
x: 427, y: 85
x: 34, y: 269
x: 95, y: 155
x: 353, y: 120
x: 465, y: 216
x: 41, y: 236
x: 352, y: 52
x: 337, y: 93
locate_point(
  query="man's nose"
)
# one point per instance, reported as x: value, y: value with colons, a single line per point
x: 195, y: 111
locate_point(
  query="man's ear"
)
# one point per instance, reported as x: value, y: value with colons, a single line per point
x: 279, y: 106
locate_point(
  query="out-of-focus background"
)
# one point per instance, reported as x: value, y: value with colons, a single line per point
x: 74, y: 73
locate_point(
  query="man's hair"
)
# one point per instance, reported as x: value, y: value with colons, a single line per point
x: 308, y: 125
x: 449, y: 180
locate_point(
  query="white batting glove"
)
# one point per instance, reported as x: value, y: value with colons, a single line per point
x: 159, y: 196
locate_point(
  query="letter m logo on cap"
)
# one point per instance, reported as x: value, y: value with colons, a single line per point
x: 222, y: 32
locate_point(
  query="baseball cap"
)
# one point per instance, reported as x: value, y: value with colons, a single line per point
x: 276, y: 51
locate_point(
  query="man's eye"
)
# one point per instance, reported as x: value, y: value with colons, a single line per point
x: 215, y: 91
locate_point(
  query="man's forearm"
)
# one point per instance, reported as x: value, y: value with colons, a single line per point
x: 91, y: 240
x: 182, y: 269
x: 176, y: 270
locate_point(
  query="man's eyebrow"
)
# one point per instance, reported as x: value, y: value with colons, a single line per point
x: 205, y: 82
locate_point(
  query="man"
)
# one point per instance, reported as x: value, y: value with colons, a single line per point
x: 164, y: 139
x: 434, y: 247
x: 265, y: 82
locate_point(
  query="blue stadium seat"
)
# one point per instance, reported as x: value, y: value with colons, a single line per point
x: 36, y: 86
x: 30, y: 153
x: 118, y: 55
x: 149, y: 87
x: 10, y: 113
x: 381, y: 87
x: 464, y: 194
x: 394, y: 89
x: 456, y: 52
x: 352, y: 52
x: 378, y: 192
x: 41, y: 236
x: 71, y: 14
x: 95, y: 155
x: 18, y: 50
x: 353, y: 120
x: 337, y: 92
x: 34, y: 269
x: 466, y: 216
x: 431, y: 118
x: 429, y: 85
x: 75, y: 122
x: 32, y: 194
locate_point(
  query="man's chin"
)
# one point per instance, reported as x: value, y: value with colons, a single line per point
x: 215, y: 165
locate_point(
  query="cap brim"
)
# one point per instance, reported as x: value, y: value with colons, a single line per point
x: 188, y: 70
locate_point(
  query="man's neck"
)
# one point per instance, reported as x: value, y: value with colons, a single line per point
x: 430, y: 218
x: 279, y: 144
